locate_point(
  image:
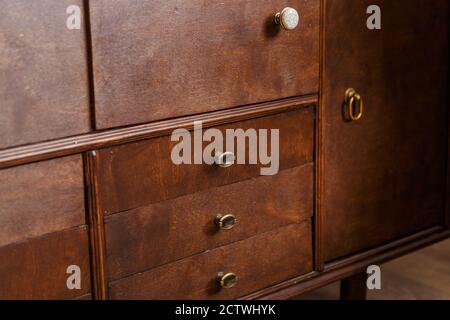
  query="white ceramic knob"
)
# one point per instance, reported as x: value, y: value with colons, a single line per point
x: 288, y: 18
x: 225, y: 159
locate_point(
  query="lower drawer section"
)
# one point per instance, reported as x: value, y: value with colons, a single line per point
x: 38, y: 268
x: 258, y: 262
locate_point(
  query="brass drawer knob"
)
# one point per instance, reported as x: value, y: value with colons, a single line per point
x: 288, y: 18
x: 227, y: 280
x: 354, y: 104
x: 225, y: 222
x: 225, y: 159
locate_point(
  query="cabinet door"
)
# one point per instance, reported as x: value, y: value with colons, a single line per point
x: 383, y: 176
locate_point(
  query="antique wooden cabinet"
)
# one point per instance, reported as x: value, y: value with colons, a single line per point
x: 93, y: 205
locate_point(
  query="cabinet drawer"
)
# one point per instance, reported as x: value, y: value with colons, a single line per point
x: 141, y: 173
x: 41, y: 198
x: 43, y: 72
x: 258, y: 262
x: 37, y: 268
x: 161, y: 59
x: 143, y: 238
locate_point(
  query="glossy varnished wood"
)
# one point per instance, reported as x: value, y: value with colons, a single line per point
x: 43, y: 78
x: 383, y: 176
x: 143, y: 238
x: 36, y: 269
x: 162, y: 59
x: 287, y: 252
x: 40, y: 198
x: 137, y: 174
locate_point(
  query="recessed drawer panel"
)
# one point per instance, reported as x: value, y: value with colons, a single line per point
x: 41, y: 198
x: 143, y: 238
x: 157, y: 59
x: 43, y: 71
x: 37, y: 268
x: 141, y: 173
x: 257, y: 263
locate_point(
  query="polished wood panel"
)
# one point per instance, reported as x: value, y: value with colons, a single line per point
x: 43, y: 78
x: 143, y: 238
x: 161, y: 59
x: 36, y: 269
x: 259, y: 262
x: 40, y: 198
x: 138, y: 174
x: 384, y: 175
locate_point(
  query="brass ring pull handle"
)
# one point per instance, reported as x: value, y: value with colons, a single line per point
x: 354, y: 103
x: 228, y: 280
x: 225, y: 159
x: 225, y: 222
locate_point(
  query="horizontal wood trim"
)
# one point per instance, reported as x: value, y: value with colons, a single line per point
x: 82, y: 143
x: 349, y: 266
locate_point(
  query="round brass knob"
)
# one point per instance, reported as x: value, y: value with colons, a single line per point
x: 227, y: 280
x: 225, y: 159
x: 225, y: 222
x: 288, y: 18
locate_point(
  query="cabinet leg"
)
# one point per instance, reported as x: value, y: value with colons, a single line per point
x: 354, y: 287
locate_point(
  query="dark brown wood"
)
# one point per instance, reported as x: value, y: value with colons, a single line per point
x: 96, y: 228
x: 160, y: 59
x: 296, y: 286
x: 141, y: 173
x: 41, y: 198
x: 87, y: 142
x: 354, y: 287
x: 43, y: 79
x: 184, y: 226
x: 287, y: 253
x: 384, y: 175
x: 36, y: 269
x: 84, y: 297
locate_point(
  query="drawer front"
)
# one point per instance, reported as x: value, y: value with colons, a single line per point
x: 166, y: 58
x: 41, y: 198
x: 138, y: 174
x: 258, y: 262
x: 43, y: 72
x: 37, y: 268
x: 143, y: 238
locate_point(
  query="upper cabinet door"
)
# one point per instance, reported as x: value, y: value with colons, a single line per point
x: 158, y: 59
x: 384, y: 171
x: 43, y: 71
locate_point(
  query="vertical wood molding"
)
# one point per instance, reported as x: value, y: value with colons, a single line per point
x: 96, y: 228
x: 318, y: 256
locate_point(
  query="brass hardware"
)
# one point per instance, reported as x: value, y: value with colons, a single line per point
x: 354, y: 104
x: 225, y: 222
x: 225, y: 159
x: 288, y: 18
x: 227, y: 280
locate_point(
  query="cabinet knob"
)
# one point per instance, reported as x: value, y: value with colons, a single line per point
x: 288, y: 18
x: 225, y: 222
x: 354, y: 104
x: 225, y: 159
x: 227, y: 280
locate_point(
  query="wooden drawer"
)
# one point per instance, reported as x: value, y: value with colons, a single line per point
x: 143, y: 238
x: 43, y: 77
x: 157, y: 59
x: 258, y: 262
x: 41, y: 198
x: 37, y: 268
x: 138, y: 174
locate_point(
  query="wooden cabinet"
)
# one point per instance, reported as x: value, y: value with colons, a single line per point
x: 384, y: 175
x: 88, y: 177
